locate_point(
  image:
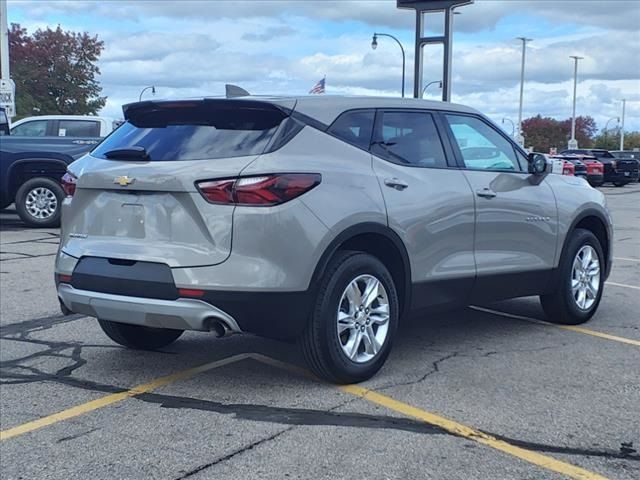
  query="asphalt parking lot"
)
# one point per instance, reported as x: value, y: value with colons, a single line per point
x: 488, y: 392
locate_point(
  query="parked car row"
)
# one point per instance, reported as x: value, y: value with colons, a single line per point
x: 596, y: 166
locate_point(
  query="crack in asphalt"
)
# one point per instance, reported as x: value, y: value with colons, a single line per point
x: 16, y: 372
x: 25, y: 257
x: 239, y: 451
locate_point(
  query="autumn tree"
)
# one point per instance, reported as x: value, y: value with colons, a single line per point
x: 55, y: 71
x: 544, y: 133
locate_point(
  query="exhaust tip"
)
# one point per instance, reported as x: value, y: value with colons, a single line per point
x: 218, y: 328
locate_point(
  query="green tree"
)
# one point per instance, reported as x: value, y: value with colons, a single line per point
x: 610, y: 140
x: 55, y: 72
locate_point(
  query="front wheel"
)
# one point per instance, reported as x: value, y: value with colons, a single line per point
x: 137, y: 336
x: 354, y: 319
x: 581, y: 281
x: 38, y: 202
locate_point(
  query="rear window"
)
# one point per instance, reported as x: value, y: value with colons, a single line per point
x: 195, y: 130
x: 78, y: 128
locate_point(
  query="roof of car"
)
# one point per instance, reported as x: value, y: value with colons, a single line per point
x: 326, y: 108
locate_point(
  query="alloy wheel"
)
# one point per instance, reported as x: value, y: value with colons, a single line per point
x: 585, y: 277
x: 363, y: 318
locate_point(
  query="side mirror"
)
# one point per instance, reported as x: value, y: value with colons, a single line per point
x: 537, y: 163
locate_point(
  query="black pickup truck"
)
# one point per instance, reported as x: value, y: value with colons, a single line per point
x: 618, y: 171
x: 30, y: 173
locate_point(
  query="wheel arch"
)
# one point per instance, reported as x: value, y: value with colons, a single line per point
x: 383, y: 243
x: 595, y: 221
x: 18, y: 172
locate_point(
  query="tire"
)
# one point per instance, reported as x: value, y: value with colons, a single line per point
x: 562, y: 305
x: 139, y: 337
x: 323, y: 347
x: 34, y: 214
x: 619, y: 184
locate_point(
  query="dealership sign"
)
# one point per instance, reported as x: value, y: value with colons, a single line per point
x: 8, y: 97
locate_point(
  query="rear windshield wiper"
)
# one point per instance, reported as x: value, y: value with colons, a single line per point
x: 129, y: 153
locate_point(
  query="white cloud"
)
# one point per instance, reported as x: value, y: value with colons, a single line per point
x: 192, y: 48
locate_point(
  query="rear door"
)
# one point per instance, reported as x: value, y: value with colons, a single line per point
x: 147, y: 206
x: 429, y: 205
x: 516, y: 214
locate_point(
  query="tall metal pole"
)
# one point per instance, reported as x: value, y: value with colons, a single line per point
x: 520, y: 138
x: 4, y: 41
x: 573, y: 143
x: 417, y: 58
x: 624, y: 101
x: 374, y: 44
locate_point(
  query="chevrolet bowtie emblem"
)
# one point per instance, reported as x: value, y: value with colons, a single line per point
x: 123, y: 181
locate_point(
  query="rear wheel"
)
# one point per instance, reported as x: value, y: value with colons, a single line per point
x: 137, y: 336
x: 354, y: 319
x: 38, y: 202
x: 581, y: 281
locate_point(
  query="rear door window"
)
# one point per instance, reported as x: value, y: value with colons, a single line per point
x: 409, y: 138
x: 354, y: 127
x: 196, y: 130
x: 78, y: 128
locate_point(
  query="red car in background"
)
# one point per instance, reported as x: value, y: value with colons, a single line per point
x: 595, y: 169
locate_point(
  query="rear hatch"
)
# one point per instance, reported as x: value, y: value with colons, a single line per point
x: 136, y: 195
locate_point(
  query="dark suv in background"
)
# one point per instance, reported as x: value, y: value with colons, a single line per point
x: 618, y: 171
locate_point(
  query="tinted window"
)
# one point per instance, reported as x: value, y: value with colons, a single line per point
x: 410, y: 138
x: 482, y: 146
x: 195, y: 133
x: 354, y: 127
x: 78, y: 128
x: 34, y: 128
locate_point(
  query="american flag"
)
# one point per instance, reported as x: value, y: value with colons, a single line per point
x: 318, y: 87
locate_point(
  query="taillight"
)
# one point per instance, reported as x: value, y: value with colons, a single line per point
x: 568, y: 170
x: 263, y: 190
x: 614, y: 164
x: 69, y: 183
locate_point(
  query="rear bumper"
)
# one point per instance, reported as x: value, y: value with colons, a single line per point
x: 622, y: 176
x: 180, y: 314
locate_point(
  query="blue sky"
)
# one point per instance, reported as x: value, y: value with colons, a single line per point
x: 192, y: 48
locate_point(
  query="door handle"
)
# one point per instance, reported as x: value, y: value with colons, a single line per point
x: 486, y: 193
x: 395, y: 183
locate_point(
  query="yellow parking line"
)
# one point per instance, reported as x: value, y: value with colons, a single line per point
x: 623, y: 285
x: 469, y: 433
x: 450, y: 426
x: 115, y: 398
x: 572, y: 328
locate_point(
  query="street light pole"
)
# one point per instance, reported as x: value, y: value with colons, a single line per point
x: 606, y: 129
x: 624, y: 102
x: 573, y: 143
x: 513, y: 126
x: 520, y: 138
x: 153, y: 90
x: 374, y: 44
x: 430, y: 83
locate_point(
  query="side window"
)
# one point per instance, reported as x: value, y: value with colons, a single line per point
x: 354, y: 127
x: 410, y: 138
x: 482, y: 147
x: 34, y: 128
x: 78, y: 128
